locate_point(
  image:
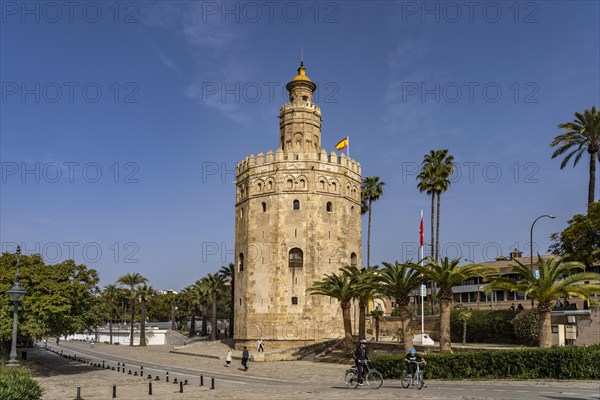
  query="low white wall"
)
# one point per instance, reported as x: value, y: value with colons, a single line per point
x: 154, y: 337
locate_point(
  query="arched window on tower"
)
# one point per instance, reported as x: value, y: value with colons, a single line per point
x: 241, y: 262
x: 264, y: 206
x: 295, y: 258
x: 353, y: 260
x: 329, y: 206
x: 296, y: 204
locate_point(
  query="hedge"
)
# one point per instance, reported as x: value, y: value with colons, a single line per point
x: 570, y: 362
x: 484, y: 326
x: 17, y: 383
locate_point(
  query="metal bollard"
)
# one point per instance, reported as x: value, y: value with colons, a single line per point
x: 157, y: 378
x: 102, y: 363
x: 150, y: 388
x: 118, y: 367
x: 167, y: 378
x: 142, y: 370
x: 175, y: 381
x: 149, y: 376
x: 212, y: 383
x: 180, y: 387
x: 185, y: 382
x: 78, y: 393
x: 123, y: 367
x: 201, y: 380
x: 114, y: 395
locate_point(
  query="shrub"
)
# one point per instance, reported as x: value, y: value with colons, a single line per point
x: 17, y: 383
x: 526, y: 327
x: 484, y: 326
x: 571, y: 362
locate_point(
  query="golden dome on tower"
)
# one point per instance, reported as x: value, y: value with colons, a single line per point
x: 301, y: 79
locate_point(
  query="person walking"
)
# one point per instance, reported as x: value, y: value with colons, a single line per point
x: 245, y: 357
x: 261, y: 346
x: 228, y: 358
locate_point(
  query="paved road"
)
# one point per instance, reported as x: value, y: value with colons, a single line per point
x: 307, y: 380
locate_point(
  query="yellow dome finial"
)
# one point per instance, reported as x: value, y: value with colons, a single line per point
x: 301, y: 74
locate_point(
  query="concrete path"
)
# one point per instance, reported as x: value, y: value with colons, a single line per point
x: 264, y: 380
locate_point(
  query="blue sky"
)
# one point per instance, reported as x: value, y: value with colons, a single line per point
x: 121, y: 123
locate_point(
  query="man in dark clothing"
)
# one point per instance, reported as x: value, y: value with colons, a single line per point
x: 245, y: 357
x: 412, y: 358
x: 361, y: 356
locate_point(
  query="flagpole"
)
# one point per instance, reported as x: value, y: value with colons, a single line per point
x: 348, y: 147
x: 422, y: 298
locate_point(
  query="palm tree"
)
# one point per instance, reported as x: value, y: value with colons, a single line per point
x: 436, y: 168
x: 341, y: 287
x: 398, y: 282
x: 447, y: 274
x: 371, y: 190
x: 556, y: 279
x: 111, y: 295
x: 132, y: 280
x: 377, y: 314
x: 145, y: 292
x: 228, y: 274
x: 582, y: 134
x: 214, y: 285
x: 171, y: 301
x: 190, y: 298
x: 365, y: 292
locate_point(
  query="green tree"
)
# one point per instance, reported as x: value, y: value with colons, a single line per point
x: 556, y: 279
x: 377, y: 315
x: 110, y: 295
x: 61, y: 298
x: 342, y: 287
x: 580, y: 241
x: 434, y: 178
x: 398, y: 282
x: 228, y: 273
x: 371, y: 190
x: 582, y: 134
x: 145, y: 293
x: 190, y: 300
x: 132, y: 279
x: 447, y: 274
x: 215, y: 284
x: 365, y: 291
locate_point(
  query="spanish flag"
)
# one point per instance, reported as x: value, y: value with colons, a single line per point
x: 342, y: 144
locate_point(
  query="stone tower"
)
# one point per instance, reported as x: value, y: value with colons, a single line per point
x: 297, y: 218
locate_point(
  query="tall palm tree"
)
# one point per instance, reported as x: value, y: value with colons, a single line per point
x: 144, y: 292
x: 556, y: 279
x: 190, y: 299
x: 215, y: 284
x: 447, y: 274
x: 228, y: 274
x: 398, y: 282
x: 171, y: 301
x: 436, y: 168
x: 371, y: 190
x: 203, y: 300
x: 341, y: 287
x: 582, y: 134
x: 111, y: 296
x: 426, y: 184
x: 132, y: 279
x: 366, y: 290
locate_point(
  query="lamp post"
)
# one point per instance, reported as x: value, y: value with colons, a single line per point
x: 531, y: 243
x: 16, y: 294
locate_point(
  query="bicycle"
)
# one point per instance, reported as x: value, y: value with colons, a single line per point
x: 416, y: 379
x: 372, y: 377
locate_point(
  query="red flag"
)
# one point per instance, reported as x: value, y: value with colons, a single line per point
x: 422, y: 231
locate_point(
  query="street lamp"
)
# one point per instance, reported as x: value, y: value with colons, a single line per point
x: 16, y: 294
x: 531, y: 243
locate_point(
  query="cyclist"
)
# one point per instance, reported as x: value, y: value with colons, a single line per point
x: 361, y: 356
x: 412, y: 358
